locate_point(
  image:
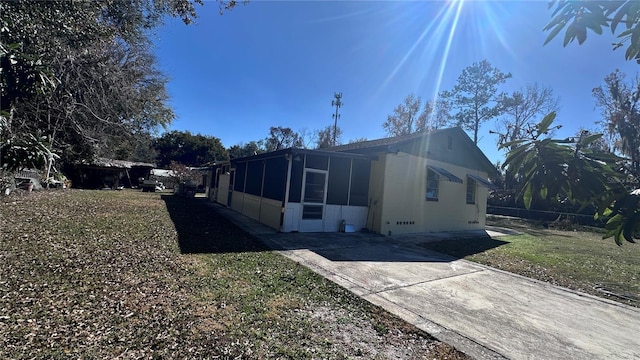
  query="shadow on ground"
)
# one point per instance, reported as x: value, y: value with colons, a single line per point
x: 460, y: 248
x: 369, y: 247
x: 383, y: 253
x: 204, y: 227
x: 202, y: 230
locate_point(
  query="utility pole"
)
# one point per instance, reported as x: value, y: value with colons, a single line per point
x: 337, y: 103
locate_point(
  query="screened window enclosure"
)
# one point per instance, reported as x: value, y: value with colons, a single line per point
x: 471, y: 191
x: 275, y: 177
x: 241, y: 172
x: 433, y: 183
x: 348, y: 180
x: 266, y: 178
x: 339, y: 180
x: 301, y: 190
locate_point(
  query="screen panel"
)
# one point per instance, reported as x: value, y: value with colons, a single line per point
x: 320, y: 162
x: 275, y: 178
x: 241, y: 169
x: 295, y: 188
x: 360, y: 172
x: 255, y: 171
x: 338, y: 186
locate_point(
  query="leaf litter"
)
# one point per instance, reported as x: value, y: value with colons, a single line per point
x: 124, y: 275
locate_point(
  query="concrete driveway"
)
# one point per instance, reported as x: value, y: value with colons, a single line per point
x: 484, y: 312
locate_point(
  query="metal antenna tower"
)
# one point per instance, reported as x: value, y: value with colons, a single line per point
x: 337, y: 103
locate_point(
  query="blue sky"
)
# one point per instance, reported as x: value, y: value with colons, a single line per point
x: 278, y: 63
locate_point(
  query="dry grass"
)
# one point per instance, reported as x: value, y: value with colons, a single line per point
x: 103, y: 274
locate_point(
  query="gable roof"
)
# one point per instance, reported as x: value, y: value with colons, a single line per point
x: 377, y: 144
x: 432, y: 145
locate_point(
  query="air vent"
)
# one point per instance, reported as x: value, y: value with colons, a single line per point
x: 408, y: 222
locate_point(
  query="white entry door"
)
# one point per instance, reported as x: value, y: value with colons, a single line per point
x: 314, y: 197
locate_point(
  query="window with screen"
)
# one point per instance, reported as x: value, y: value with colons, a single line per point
x: 338, y: 186
x: 275, y: 178
x: 433, y: 183
x: 255, y: 171
x: 295, y: 188
x: 471, y: 191
x: 320, y: 162
x: 360, y: 170
x: 241, y: 169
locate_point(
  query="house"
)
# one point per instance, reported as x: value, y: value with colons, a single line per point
x: 423, y: 182
x: 426, y: 182
x: 297, y: 189
x: 108, y: 173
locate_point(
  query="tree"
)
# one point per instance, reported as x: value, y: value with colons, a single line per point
x: 324, y: 138
x: 573, y: 170
x: 190, y: 150
x: 30, y: 151
x: 620, y: 203
x: 35, y: 34
x: 183, y: 174
x: 90, y: 114
x: 404, y: 119
x: 435, y: 115
x: 307, y: 137
x: 474, y: 98
x: 599, y: 145
x: 243, y: 150
x: 357, y: 140
x: 82, y: 74
x: 594, y: 16
x: 565, y: 168
x: 136, y: 148
x: 282, y: 138
x: 521, y: 111
x: 619, y: 102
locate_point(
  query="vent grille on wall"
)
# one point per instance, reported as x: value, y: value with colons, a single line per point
x: 405, y: 222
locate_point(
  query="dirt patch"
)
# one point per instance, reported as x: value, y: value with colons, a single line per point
x: 377, y: 338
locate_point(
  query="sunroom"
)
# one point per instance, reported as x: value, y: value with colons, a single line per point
x: 298, y: 190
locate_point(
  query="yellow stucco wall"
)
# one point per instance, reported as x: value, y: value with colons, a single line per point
x: 404, y: 208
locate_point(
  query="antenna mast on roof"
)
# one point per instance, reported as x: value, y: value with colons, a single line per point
x: 337, y: 103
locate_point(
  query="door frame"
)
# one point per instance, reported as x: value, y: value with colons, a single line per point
x: 313, y: 225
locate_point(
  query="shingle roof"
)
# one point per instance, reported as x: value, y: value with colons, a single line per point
x: 416, y: 142
x: 381, y: 142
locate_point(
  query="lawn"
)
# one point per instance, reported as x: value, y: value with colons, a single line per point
x: 579, y: 260
x: 108, y: 274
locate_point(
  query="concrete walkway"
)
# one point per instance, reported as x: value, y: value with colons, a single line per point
x: 482, y: 311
